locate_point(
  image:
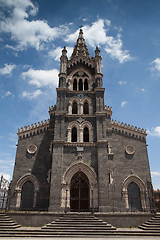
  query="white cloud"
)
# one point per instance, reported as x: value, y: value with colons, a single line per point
x: 37, y: 33
x: 143, y: 90
x: 57, y: 52
x: 96, y: 35
x: 154, y: 131
x: 31, y: 95
x: 114, y: 49
x: 154, y: 174
x: 42, y: 78
x: 123, y: 103
x: 108, y: 22
x: 84, y: 19
x: 7, y: 69
x: 7, y: 94
x: 122, y: 82
x: 155, y: 65
x: 27, y: 33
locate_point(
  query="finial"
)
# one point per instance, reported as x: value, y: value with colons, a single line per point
x: 80, y: 33
x: 97, y: 51
x: 64, y: 51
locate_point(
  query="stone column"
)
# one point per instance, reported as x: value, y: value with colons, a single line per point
x: 69, y: 135
x: 81, y: 135
x: 18, y: 201
x: 81, y: 108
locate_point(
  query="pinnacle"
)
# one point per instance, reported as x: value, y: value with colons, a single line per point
x: 80, y: 48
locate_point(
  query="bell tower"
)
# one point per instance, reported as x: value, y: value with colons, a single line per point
x: 80, y: 118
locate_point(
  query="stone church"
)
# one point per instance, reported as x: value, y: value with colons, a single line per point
x: 80, y: 160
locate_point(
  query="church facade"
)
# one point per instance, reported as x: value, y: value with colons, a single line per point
x: 79, y: 159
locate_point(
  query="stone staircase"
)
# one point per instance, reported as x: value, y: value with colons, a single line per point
x: 152, y: 225
x: 7, y: 223
x: 71, y: 225
x: 79, y: 224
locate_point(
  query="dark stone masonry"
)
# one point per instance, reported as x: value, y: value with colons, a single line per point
x: 80, y: 160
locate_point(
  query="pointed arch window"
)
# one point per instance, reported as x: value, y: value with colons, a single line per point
x: 74, y: 108
x: 75, y: 85
x: 80, y: 85
x: 86, y: 135
x: 85, y: 84
x: 86, y: 108
x: 74, y: 134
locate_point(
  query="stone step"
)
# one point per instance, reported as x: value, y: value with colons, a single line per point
x: 4, y: 218
x: 152, y: 224
x: 7, y: 223
x: 78, y: 225
x: 55, y: 234
x: 80, y: 221
x: 83, y: 224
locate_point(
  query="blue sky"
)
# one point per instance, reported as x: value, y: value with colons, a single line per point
x: 32, y: 34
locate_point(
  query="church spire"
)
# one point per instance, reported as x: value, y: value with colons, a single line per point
x: 80, y: 48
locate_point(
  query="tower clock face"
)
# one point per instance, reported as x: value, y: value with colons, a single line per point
x: 80, y: 95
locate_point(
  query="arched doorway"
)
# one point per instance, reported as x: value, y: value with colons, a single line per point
x: 134, y: 197
x: 79, y: 192
x: 27, y: 197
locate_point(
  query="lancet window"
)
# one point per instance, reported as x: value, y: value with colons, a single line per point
x: 74, y: 108
x: 80, y: 106
x: 85, y: 84
x: 86, y: 108
x: 74, y: 134
x: 80, y: 84
x: 86, y: 135
x: 75, y: 85
x: 80, y: 132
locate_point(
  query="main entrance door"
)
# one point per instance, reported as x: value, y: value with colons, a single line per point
x: 79, y: 192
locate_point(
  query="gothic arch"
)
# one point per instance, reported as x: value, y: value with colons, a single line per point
x: 70, y: 104
x: 66, y: 181
x: 72, y: 125
x: 88, y: 100
x: 80, y: 128
x: 89, y: 126
x: 80, y: 104
x: 20, y: 183
x: 140, y: 184
x: 71, y: 79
